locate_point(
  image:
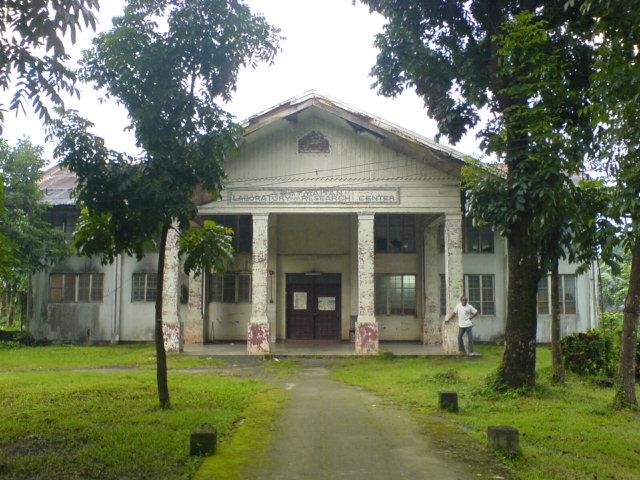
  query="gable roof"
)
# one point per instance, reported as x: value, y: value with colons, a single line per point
x: 388, y: 134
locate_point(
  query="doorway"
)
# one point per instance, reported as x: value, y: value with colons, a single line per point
x: 313, y: 306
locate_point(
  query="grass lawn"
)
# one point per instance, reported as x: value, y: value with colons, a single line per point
x: 566, y: 432
x: 105, y: 424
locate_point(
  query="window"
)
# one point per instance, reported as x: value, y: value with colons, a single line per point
x: 477, y: 239
x: 543, y: 296
x: 75, y: 287
x: 144, y: 287
x: 395, y: 294
x: 230, y: 288
x: 242, y: 226
x: 395, y: 233
x: 479, y: 289
x: 566, y: 295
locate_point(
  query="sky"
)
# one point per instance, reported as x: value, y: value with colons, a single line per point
x: 328, y: 48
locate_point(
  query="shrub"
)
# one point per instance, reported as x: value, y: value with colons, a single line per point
x: 589, y: 353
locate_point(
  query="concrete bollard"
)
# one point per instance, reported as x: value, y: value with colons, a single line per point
x: 448, y: 401
x: 203, y: 442
x: 504, y: 439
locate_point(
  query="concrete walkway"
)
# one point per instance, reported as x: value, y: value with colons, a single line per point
x: 331, y: 431
x: 312, y: 348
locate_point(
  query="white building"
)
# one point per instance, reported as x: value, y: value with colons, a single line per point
x: 347, y: 227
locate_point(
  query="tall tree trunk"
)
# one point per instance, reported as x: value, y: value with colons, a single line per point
x: 161, y: 354
x: 518, y: 367
x: 626, y: 379
x: 13, y: 299
x: 556, y: 347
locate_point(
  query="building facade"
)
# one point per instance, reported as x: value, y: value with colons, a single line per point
x: 346, y: 228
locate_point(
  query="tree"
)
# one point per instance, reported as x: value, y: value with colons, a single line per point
x: 35, y: 242
x: 616, y: 113
x: 167, y: 62
x: 466, y: 56
x: 30, y: 29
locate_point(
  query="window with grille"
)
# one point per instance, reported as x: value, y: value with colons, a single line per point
x: 566, y: 295
x: 242, y: 226
x: 75, y: 287
x: 395, y: 294
x: 477, y: 239
x: 479, y: 289
x: 395, y: 233
x: 230, y: 288
x: 144, y: 287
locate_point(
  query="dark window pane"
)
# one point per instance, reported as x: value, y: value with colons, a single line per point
x: 543, y: 296
x: 84, y: 287
x: 244, y: 288
x: 55, y: 287
x: 152, y: 287
x: 215, y: 288
x: 96, y: 287
x: 229, y: 289
x: 69, y: 293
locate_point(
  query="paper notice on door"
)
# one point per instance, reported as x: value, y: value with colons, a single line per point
x: 327, y: 304
x: 299, y: 300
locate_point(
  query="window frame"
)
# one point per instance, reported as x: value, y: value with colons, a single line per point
x: 71, y: 289
x: 482, y: 233
x: 480, y: 304
x: 227, y: 288
x: 408, y: 305
x: 562, y: 295
x: 149, y: 287
x: 383, y: 232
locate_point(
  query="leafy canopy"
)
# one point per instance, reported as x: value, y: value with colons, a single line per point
x: 32, y: 53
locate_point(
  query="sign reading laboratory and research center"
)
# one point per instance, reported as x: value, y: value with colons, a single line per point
x: 383, y: 196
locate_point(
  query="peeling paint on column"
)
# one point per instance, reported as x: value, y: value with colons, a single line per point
x: 366, y: 325
x: 171, y: 295
x: 454, y: 277
x: 431, y: 327
x: 194, y: 325
x: 258, y: 338
x: 259, y: 335
x: 171, y: 335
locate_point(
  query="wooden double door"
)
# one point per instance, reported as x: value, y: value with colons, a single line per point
x: 313, y: 306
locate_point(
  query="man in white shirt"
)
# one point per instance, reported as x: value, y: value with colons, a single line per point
x: 465, y: 313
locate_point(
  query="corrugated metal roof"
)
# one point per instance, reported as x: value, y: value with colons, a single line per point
x: 57, y: 185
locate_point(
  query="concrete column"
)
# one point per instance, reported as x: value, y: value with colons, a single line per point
x: 431, y: 327
x: 259, y: 334
x: 171, y: 295
x: 366, y: 325
x: 454, y: 277
x: 194, y: 324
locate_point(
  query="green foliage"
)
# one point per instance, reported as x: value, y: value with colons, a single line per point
x: 31, y: 241
x: 589, y: 353
x: 206, y: 249
x: 33, y: 53
x: 448, y: 377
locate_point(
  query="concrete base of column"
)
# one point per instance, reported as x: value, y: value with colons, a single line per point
x: 172, y: 337
x: 366, y: 336
x: 450, y: 336
x: 258, y: 338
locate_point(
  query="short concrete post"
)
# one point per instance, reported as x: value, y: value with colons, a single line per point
x: 203, y: 442
x: 448, y: 401
x: 504, y: 439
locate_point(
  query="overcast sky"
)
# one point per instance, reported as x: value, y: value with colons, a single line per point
x: 328, y: 48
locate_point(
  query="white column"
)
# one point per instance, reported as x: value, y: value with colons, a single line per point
x: 454, y: 277
x: 194, y: 324
x: 431, y: 328
x: 171, y: 295
x: 259, y: 334
x: 366, y: 325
